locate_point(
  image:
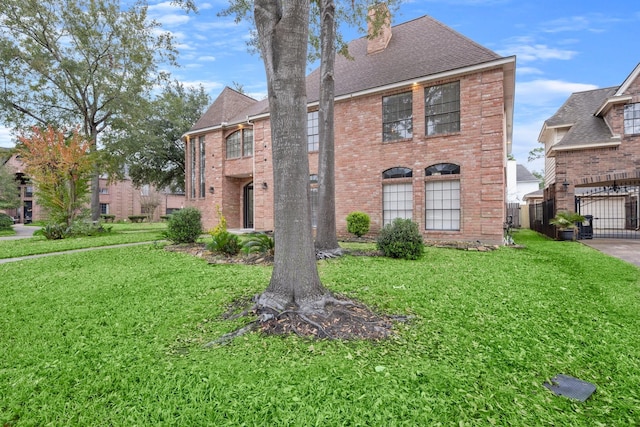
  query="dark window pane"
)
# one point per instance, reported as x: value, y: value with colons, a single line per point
x: 442, y: 108
x: 397, y: 116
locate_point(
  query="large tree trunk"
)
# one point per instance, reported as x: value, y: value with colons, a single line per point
x: 283, y: 27
x: 95, y: 179
x: 326, y: 235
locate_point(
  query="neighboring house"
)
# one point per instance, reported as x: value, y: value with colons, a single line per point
x: 592, y: 150
x: 423, y: 125
x: 520, y: 182
x: 119, y: 198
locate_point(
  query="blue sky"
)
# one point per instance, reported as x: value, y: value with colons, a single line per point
x: 562, y: 46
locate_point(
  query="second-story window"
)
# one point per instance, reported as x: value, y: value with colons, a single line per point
x: 632, y: 119
x: 397, y: 116
x: 240, y: 144
x: 442, y: 108
x: 247, y: 142
x: 233, y: 145
x: 313, y: 133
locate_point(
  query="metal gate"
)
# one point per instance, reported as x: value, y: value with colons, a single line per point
x: 614, y: 210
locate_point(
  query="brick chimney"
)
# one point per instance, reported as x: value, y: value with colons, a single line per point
x: 378, y: 18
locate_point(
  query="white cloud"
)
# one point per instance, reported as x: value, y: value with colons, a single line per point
x: 526, y: 52
x: 542, y: 92
x: 207, y: 58
x: 528, y: 71
x: 573, y: 23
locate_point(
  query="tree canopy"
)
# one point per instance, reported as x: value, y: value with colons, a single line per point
x: 76, y: 62
x: 148, y: 144
x: 60, y: 164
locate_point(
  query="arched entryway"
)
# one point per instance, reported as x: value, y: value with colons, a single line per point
x: 247, y: 203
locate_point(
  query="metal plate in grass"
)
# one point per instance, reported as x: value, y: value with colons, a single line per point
x: 564, y: 385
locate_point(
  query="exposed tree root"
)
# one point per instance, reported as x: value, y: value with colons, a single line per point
x: 340, y: 319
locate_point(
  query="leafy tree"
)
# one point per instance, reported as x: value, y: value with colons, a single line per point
x: 9, y: 193
x: 535, y: 154
x: 149, y: 141
x: 60, y: 166
x: 77, y: 61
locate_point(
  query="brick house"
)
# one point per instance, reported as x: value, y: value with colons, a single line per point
x: 119, y: 198
x: 423, y: 125
x: 592, y: 158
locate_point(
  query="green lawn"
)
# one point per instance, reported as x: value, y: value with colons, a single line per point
x: 120, y: 234
x: 115, y: 337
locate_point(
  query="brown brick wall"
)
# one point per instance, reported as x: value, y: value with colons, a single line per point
x: 361, y: 157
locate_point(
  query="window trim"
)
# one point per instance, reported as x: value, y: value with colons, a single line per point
x: 388, y: 135
x: 631, y: 125
x: 436, y: 129
x: 313, y: 131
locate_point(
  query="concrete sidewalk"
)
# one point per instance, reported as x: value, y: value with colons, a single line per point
x: 22, y: 232
x: 625, y: 249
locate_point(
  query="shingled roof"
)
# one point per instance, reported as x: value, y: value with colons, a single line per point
x: 418, y: 48
x: 228, y: 105
x: 578, y: 112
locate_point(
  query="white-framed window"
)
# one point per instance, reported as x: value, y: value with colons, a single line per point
x: 442, y: 205
x: 632, y: 119
x: 240, y: 143
x: 247, y: 142
x: 104, y: 208
x: 442, y: 108
x: 397, y: 195
x: 313, y: 132
x: 397, y: 116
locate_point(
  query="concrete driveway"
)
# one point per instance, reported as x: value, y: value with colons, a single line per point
x: 625, y: 249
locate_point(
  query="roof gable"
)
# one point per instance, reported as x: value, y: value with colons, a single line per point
x: 227, y: 106
x: 523, y: 174
x: 578, y: 113
x: 635, y: 74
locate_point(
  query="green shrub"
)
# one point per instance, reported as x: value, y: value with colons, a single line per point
x: 107, y: 217
x: 259, y: 242
x: 184, y: 226
x: 401, y: 239
x: 358, y: 223
x: 82, y: 228
x: 54, y: 231
x: 225, y: 243
x: 5, y: 222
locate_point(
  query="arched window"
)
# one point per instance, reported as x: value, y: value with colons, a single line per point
x: 442, y: 169
x: 233, y: 145
x: 397, y: 172
x: 397, y: 197
x: 442, y: 198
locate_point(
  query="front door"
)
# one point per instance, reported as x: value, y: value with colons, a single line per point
x: 247, y: 212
